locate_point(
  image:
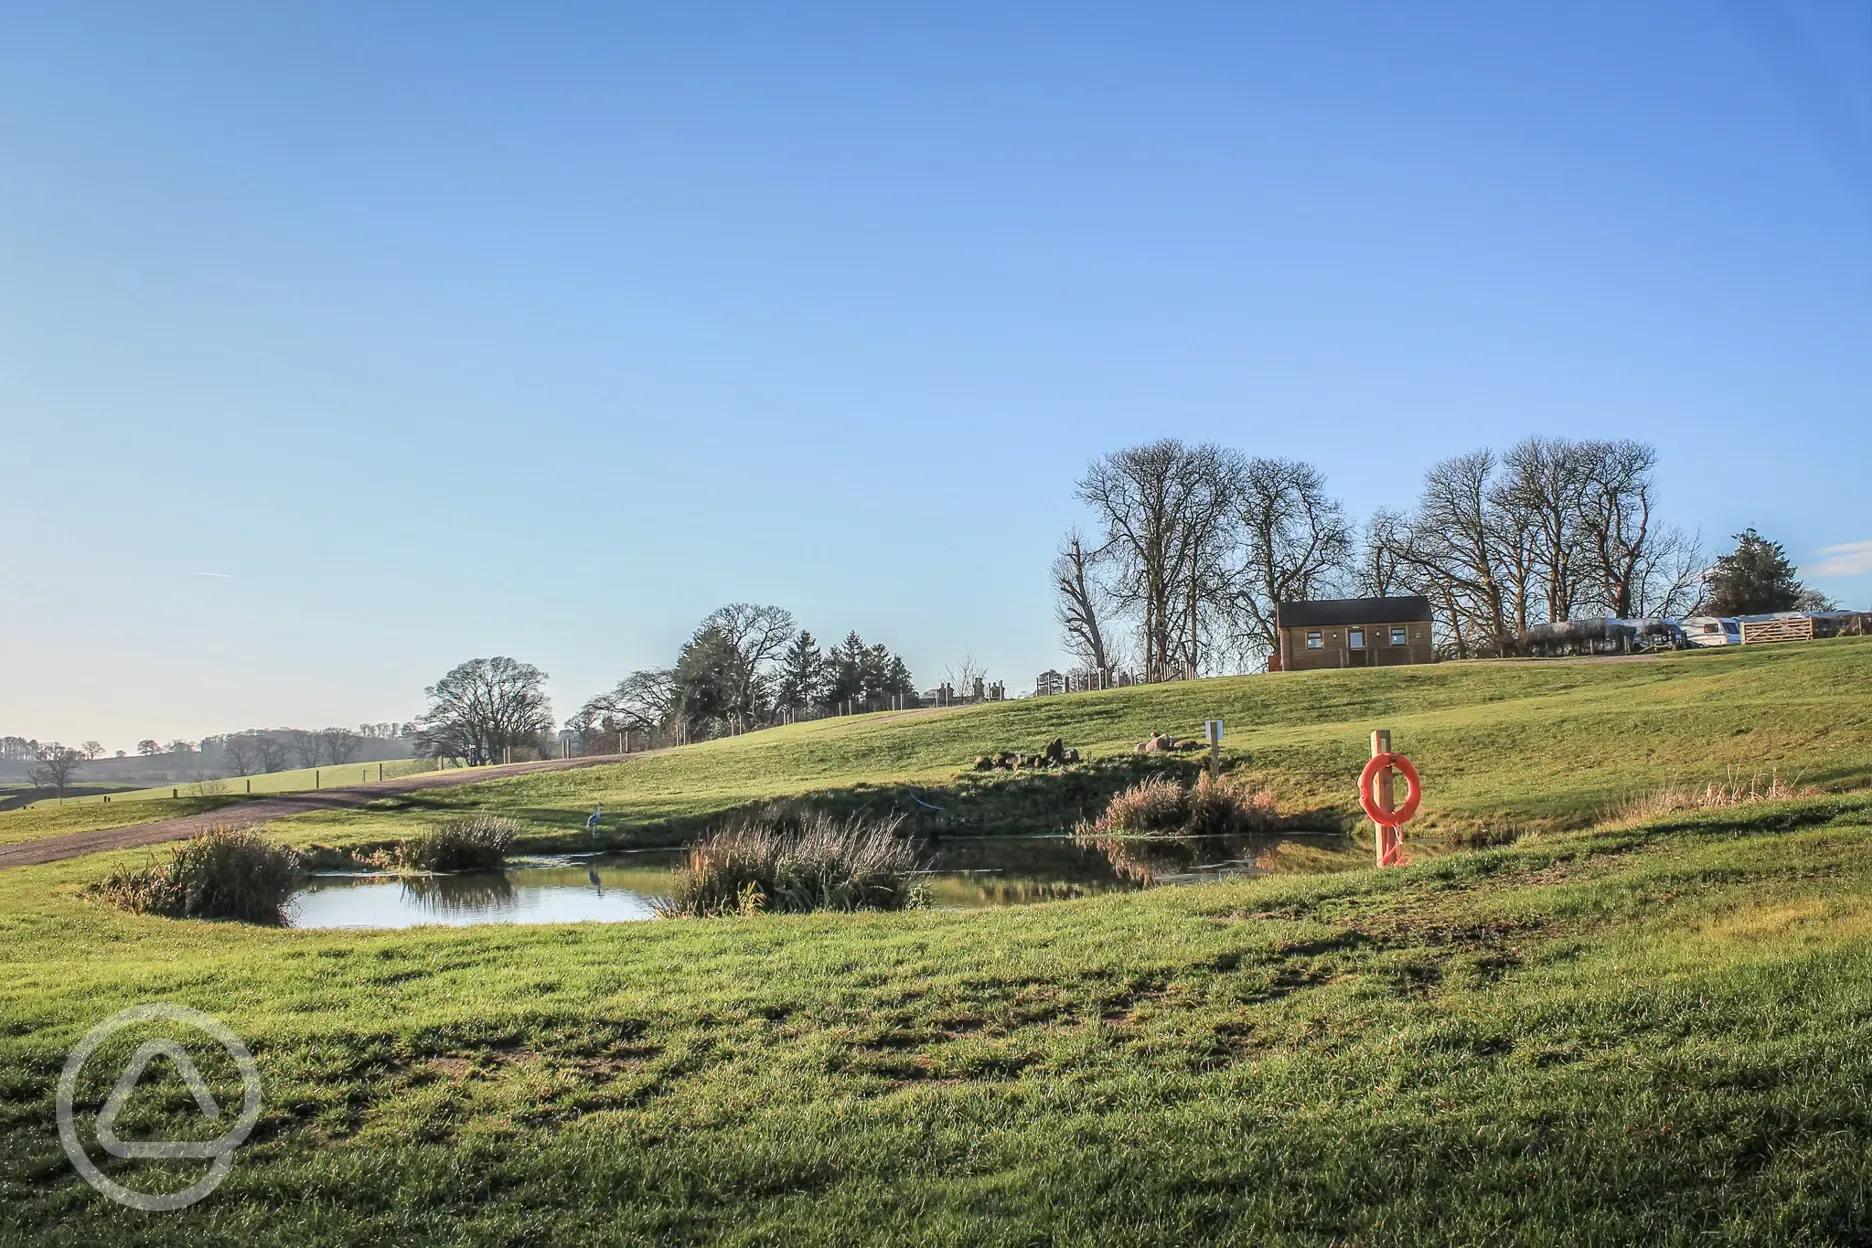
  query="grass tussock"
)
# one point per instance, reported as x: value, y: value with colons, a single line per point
x: 1733, y: 790
x: 223, y: 873
x: 786, y: 862
x: 1158, y: 806
x: 472, y: 843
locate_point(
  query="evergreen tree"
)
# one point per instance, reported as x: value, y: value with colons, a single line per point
x: 847, y: 671
x: 1752, y: 579
x: 802, y: 679
x: 897, y: 681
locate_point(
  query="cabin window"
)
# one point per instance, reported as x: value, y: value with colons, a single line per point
x: 1356, y: 639
x: 1314, y: 641
x: 1397, y: 636
x: 1712, y: 628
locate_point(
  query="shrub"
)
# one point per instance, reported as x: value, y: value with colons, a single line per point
x: 474, y: 843
x: 787, y: 862
x: 1159, y: 806
x: 223, y: 873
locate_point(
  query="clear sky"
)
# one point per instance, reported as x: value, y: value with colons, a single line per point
x: 342, y: 342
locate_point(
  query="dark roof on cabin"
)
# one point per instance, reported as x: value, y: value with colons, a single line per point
x: 1353, y: 611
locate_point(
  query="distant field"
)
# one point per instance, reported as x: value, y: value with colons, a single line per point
x: 131, y: 806
x: 297, y: 780
x: 1520, y: 746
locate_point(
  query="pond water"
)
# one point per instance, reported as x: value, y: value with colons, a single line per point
x: 616, y: 888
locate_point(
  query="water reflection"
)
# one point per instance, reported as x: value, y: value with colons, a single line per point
x: 989, y: 871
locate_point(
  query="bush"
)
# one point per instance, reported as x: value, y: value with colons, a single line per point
x: 1159, y: 806
x: 475, y: 843
x: 223, y: 873
x: 786, y: 862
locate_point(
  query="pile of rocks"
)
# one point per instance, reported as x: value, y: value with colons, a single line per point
x: 1164, y: 743
x: 1056, y: 754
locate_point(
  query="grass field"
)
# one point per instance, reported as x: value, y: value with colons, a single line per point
x: 1605, y: 1032
x: 1505, y: 746
x: 1656, y: 1035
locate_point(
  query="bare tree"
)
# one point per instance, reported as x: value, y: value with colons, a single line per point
x: 482, y: 707
x: 1163, y: 509
x: 239, y: 748
x: 1079, y: 604
x: 963, y: 673
x: 1548, y: 479
x: 1295, y: 544
x: 340, y: 745
x: 644, y: 701
x: 1670, y: 575
x: 55, y: 766
x: 757, y: 634
x: 1451, y: 544
x: 1380, y: 573
x: 271, y: 750
x: 308, y: 748
x: 92, y: 750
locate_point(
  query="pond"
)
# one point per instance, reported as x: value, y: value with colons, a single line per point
x: 966, y: 873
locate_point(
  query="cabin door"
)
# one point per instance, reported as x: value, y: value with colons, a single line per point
x: 1356, y: 654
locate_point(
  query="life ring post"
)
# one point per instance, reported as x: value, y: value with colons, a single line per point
x: 1385, y: 836
x: 1378, y: 798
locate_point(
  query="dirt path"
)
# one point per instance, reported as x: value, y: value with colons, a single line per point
x: 262, y: 809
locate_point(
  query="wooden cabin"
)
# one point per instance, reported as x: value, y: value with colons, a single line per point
x: 1352, y: 632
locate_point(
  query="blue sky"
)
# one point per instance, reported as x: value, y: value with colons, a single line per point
x: 458, y: 329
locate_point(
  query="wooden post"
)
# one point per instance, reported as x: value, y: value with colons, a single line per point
x: 1385, y: 836
x: 315, y: 777
x: 174, y: 793
x: 249, y: 788
x: 380, y: 771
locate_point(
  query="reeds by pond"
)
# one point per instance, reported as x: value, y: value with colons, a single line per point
x: 224, y: 873
x: 785, y: 862
x: 473, y: 843
x: 1158, y: 806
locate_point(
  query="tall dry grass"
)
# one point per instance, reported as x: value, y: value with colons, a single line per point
x: 786, y: 862
x: 1733, y: 790
x: 1158, y: 806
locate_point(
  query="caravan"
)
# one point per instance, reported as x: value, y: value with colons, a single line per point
x: 1712, y: 630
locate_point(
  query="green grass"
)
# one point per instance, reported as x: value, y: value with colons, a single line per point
x: 1655, y: 1035
x: 1614, y: 1034
x: 1501, y: 746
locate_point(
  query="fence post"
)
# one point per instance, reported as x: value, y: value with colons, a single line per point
x: 174, y: 793
x: 250, y: 788
x: 1381, y: 744
x: 380, y: 771
x: 315, y: 777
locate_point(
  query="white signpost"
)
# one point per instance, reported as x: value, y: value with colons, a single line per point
x: 1212, y: 733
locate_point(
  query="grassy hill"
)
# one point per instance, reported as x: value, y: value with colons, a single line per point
x: 1502, y: 746
x: 1649, y: 1032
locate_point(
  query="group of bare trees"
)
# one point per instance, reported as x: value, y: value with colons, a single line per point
x: 1549, y: 530
x: 1193, y: 549
x: 744, y: 666
x: 255, y: 751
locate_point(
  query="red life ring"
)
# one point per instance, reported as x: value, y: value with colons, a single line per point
x: 1368, y: 792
